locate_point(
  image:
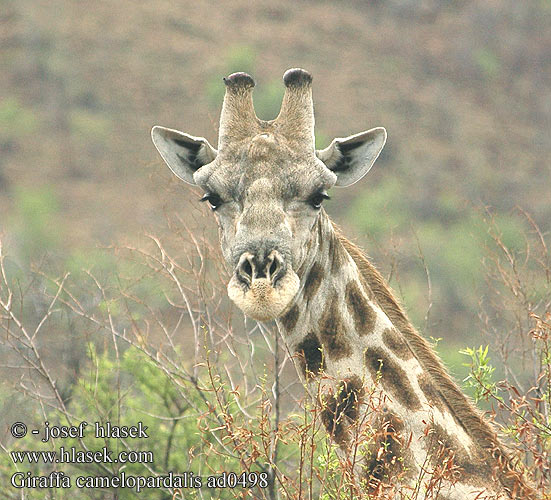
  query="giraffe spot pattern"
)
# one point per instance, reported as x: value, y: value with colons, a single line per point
x: 311, y: 356
x: 388, y: 456
x: 362, y: 313
x: 342, y: 409
x: 392, y: 377
x: 350, y: 393
x: 441, y: 439
x: 443, y: 446
x: 289, y: 320
x: 334, y: 426
x: 332, y: 331
x: 313, y: 281
x: 394, y: 341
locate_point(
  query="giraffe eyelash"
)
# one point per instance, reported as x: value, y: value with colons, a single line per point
x: 317, y: 199
x: 213, y: 199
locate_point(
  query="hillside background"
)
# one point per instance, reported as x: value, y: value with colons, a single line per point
x: 463, y: 88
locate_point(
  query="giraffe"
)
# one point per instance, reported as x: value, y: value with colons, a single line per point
x: 266, y: 184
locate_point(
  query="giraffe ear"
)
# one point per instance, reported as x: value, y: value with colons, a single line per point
x: 350, y: 158
x: 183, y: 153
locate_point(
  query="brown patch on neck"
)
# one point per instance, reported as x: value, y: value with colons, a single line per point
x: 444, y: 448
x: 332, y: 331
x: 363, y: 314
x: 311, y: 356
x: 392, y: 377
x: 440, y: 439
x: 333, y: 421
x: 389, y: 457
x: 313, y: 281
x: 350, y: 394
x: 340, y: 411
x: 394, y: 341
x: 289, y: 320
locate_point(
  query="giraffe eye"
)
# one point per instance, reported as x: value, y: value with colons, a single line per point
x: 316, y: 199
x: 213, y: 199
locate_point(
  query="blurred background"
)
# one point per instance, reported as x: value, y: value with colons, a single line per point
x: 462, y: 87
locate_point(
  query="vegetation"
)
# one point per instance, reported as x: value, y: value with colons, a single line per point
x: 147, y: 340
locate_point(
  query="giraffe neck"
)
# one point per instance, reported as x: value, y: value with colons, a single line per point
x: 374, y: 382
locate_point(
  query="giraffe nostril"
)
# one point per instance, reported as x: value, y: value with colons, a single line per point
x: 277, y: 268
x: 244, y: 270
x: 251, y: 268
x: 247, y: 268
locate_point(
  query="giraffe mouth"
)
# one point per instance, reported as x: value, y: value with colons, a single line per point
x: 264, y: 297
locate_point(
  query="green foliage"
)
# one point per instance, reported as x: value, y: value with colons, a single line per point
x: 330, y: 468
x: 381, y: 209
x: 453, y: 240
x: 238, y: 58
x: 509, y: 230
x: 488, y: 62
x: 191, y: 428
x: 36, y: 221
x: 127, y: 391
x: 452, y: 358
x: 454, y: 251
x: 322, y: 141
x: 102, y: 263
x: 90, y: 126
x: 267, y: 97
x: 480, y: 378
x: 122, y: 278
x: 15, y: 120
x: 241, y: 58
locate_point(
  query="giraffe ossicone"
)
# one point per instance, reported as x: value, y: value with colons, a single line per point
x: 266, y: 184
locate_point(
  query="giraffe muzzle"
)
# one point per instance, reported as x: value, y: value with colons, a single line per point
x: 263, y: 286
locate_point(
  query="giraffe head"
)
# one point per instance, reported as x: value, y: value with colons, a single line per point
x: 266, y: 184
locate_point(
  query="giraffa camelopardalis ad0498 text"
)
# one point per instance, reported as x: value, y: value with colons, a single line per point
x: 266, y: 184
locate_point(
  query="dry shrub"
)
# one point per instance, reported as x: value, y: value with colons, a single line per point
x: 220, y: 393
